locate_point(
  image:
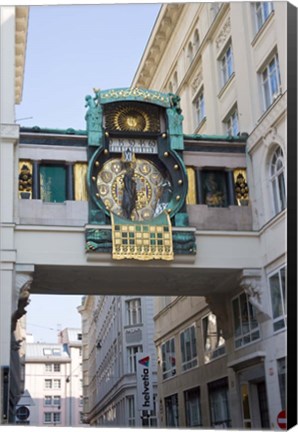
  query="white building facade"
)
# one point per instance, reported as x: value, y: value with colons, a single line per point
x: 13, y: 36
x: 53, y: 378
x: 222, y: 358
x: 114, y: 330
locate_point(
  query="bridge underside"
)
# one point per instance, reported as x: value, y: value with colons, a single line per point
x: 137, y: 280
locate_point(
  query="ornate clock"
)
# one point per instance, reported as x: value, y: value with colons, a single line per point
x: 136, y: 176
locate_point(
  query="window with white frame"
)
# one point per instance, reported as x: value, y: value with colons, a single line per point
x: 134, y: 311
x: 56, y: 417
x: 130, y: 404
x: 131, y: 357
x: 57, y: 400
x: 226, y: 65
x: 277, y: 179
x: 168, y: 358
x: 193, y: 407
x: 270, y: 77
x: 282, y: 374
x: 199, y: 108
x: 56, y: 383
x: 47, y: 417
x: 214, y: 343
x: 277, y: 283
x: 246, y: 327
x: 48, y: 367
x: 188, y: 345
x: 232, y: 123
x: 47, y: 400
x: 48, y: 383
x: 262, y: 11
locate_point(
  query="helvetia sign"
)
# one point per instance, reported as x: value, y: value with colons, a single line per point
x: 144, y: 382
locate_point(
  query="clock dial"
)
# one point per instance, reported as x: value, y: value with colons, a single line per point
x: 153, y: 190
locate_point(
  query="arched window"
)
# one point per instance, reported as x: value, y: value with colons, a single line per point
x: 196, y: 40
x: 190, y: 52
x: 277, y: 178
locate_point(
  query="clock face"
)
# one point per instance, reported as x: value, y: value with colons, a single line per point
x: 151, y: 189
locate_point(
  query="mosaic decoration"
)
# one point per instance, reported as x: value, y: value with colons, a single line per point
x: 142, y: 241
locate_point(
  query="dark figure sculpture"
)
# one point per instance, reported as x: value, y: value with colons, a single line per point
x: 129, y: 198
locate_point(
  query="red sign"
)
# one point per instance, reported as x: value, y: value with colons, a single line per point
x: 282, y: 420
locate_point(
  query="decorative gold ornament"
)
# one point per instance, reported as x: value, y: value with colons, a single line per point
x: 106, y: 151
x: 166, y: 154
x: 93, y: 178
x: 180, y: 181
x: 96, y: 163
x: 178, y: 197
x: 164, y: 135
x: 176, y: 167
x: 107, y: 134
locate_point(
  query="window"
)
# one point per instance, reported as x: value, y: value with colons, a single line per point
x: 188, y: 348
x: 131, y: 352
x: 168, y: 359
x: 56, y: 351
x: 53, y: 183
x: 199, y: 106
x: 263, y: 11
x: 130, y: 403
x: 134, y: 312
x: 277, y: 178
x: 277, y: 284
x: 79, y: 336
x: 171, y: 408
x: 214, y: 184
x: 57, y: 367
x: 47, y: 417
x: 57, y: 400
x: 219, y: 404
x: 282, y: 373
x: 214, y: 343
x: 231, y: 124
x: 47, y: 351
x: 192, y: 407
x: 270, y: 81
x: 190, y: 52
x: 56, y: 383
x: 48, y: 367
x: 153, y: 414
x: 47, y: 400
x: 56, y: 417
x: 246, y: 326
x: 48, y: 383
x: 226, y: 65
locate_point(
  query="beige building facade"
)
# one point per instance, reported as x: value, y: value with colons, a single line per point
x: 222, y: 358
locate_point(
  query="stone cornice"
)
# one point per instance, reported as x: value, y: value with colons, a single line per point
x: 162, y: 31
x: 22, y: 14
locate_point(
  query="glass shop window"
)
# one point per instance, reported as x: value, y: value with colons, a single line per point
x: 53, y: 183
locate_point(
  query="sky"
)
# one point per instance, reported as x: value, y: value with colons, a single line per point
x: 71, y: 50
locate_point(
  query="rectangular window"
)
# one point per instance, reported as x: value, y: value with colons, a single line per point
x: 47, y: 417
x: 131, y: 353
x: 263, y: 11
x: 130, y: 404
x: 48, y: 367
x: 53, y: 183
x: 56, y: 352
x: 47, y: 400
x: 231, y: 124
x: 277, y: 284
x: 57, y: 400
x: 188, y: 348
x: 246, y: 327
x: 171, y: 408
x: 57, y: 417
x: 56, y: 383
x: 57, y: 367
x: 48, y: 383
x: 270, y: 76
x: 214, y: 343
x: 153, y: 414
x: 199, y: 107
x: 168, y: 359
x: 219, y: 404
x: 192, y: 407
x: 134, y: 311
x: 226, y: 65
